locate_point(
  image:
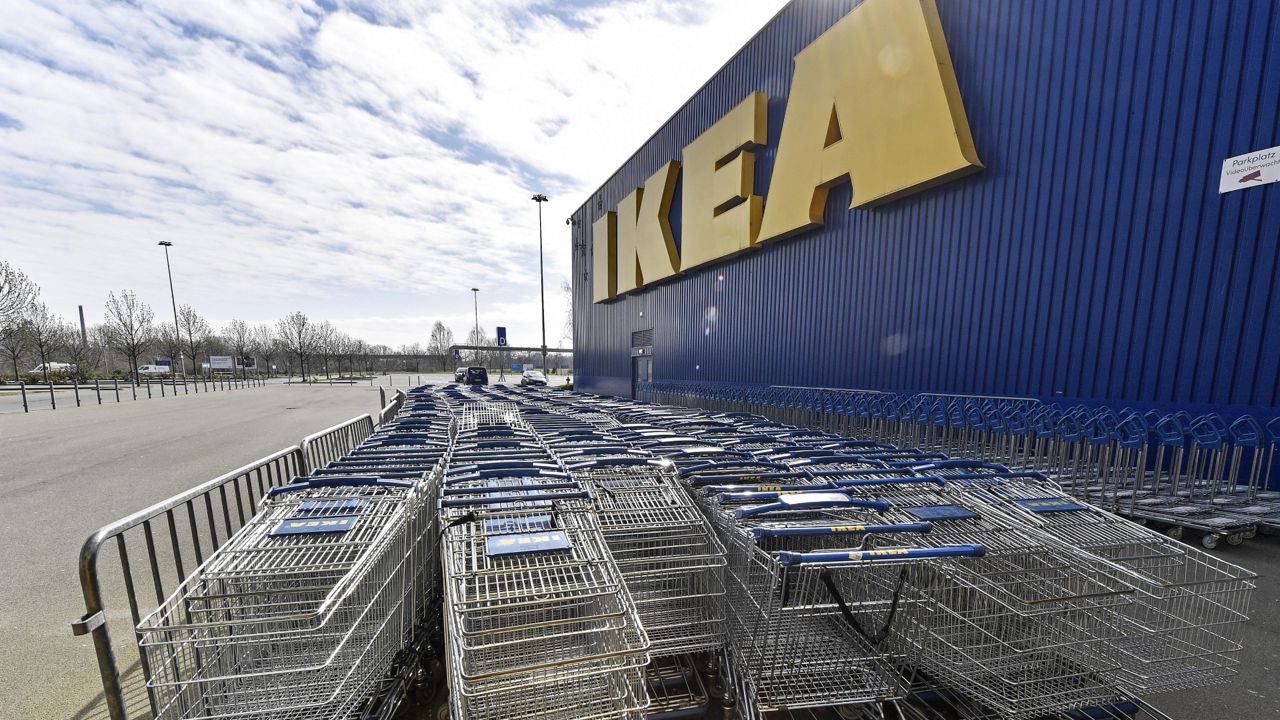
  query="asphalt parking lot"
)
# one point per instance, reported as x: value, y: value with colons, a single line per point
x: 63, y: 474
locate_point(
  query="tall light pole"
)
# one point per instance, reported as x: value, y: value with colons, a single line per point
x: 475, y: 294
x: 177, y: 334
x: 542, y: 284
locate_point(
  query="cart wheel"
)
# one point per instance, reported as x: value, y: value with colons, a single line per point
x: 1235, y: 538
x: 1209, y: 541
x: 1251, y: 533
x: 1175, y: 532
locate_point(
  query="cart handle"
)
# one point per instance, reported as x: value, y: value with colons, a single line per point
x: 912, y: 527
x: 328, y: 482
x: 867, y: 482
x: 1246, y: 431
x: 713, y: 465
x: 746, y: 478
x: 750, y: 488
x: 797, y: 501
x: 466, y: 502
x: 614, y: 461
x: 790, y: 559
x: 510, y: 488
x: 962, y: 464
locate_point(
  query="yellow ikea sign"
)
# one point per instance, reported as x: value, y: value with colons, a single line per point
x: 873, y: 100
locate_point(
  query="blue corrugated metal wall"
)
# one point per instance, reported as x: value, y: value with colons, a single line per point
x: 1092, y: 259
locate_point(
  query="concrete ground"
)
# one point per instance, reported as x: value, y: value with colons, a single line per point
x: 63, y: 474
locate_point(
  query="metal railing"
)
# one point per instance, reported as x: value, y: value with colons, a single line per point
x: 112, y: 389
x: 319, y: 449
x: 176, y: 534
x: 390, y: 409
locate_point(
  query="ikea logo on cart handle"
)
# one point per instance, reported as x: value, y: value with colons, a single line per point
x: 873, y: 100
x: 309, y: 526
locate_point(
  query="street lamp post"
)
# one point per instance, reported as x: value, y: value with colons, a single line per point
x: 177, y: 334
x: 475, y: 294
x: 542, y: 284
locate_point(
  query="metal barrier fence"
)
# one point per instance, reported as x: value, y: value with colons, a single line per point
x: 152, y: 388
x: 176, y: 535
x: 319, y: 449
x: 390, y: 409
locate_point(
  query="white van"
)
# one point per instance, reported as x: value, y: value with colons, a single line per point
x: 154, y: 370
x: 53, y: 367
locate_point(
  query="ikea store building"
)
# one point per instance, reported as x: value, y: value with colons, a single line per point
x: 1052, y: 199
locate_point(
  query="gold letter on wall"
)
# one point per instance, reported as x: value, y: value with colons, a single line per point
x: 873, y: 99
x: 720, y: 215
x: 646, y: 246
x: 604, y: 257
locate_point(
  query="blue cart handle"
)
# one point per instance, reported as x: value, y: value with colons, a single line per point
x: 790, y: 559
x: 763, y: 488
x: 511, y: 488
x: 616, y: 461
x: 329, y: 482
x: 868, y: 482
x: 745, y: 478
x: 467, y: 502
x: 807, y: 501
x: 962, y: 465
x: 913, y: 527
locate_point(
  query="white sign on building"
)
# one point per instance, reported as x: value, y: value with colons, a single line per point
x: 1259, y: 167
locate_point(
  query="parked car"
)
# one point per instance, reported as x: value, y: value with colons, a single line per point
x: 53, y: 367
x: 476, y: 376
x: 460, y: 375
x: 154, y: 370
x: 533, y: 377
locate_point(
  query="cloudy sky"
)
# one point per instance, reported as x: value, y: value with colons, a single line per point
x: 366, y: 163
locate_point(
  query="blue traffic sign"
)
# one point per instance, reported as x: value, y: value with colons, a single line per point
x: 502, y: 337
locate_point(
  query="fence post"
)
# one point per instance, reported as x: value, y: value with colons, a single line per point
x: 162, y: 388
x: 52, y: 401
x: 185, y: 391
x: 133, y: 386
x: 75, y: 383
x: 23, y: 386
x: 205, y: 380
x: 97, y: 388
x: 148, y: 388
x: 117, y: 386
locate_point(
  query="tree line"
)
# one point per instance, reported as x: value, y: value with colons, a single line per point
x: 129, y: 333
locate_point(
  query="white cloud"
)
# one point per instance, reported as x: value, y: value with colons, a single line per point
x: 365, y: 163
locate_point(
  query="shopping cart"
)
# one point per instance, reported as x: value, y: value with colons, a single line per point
x: 299, y: 614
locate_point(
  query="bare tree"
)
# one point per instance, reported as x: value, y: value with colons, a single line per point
x: 439, y: 343
x: 85, y: 356
x: 325, y: 334
x: 129, y: 327
x: 298, y: 337
x: 341, y: 344
x: 482, y: 357
x: 17, y: 295
x: 42, y: 327
x: 195, y: 332
x: 566, y: 334
x: 265, y: 345
x: 360, y: 349
x: 15, y: 343
x: 169, y: 342
x: 240, y: 338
